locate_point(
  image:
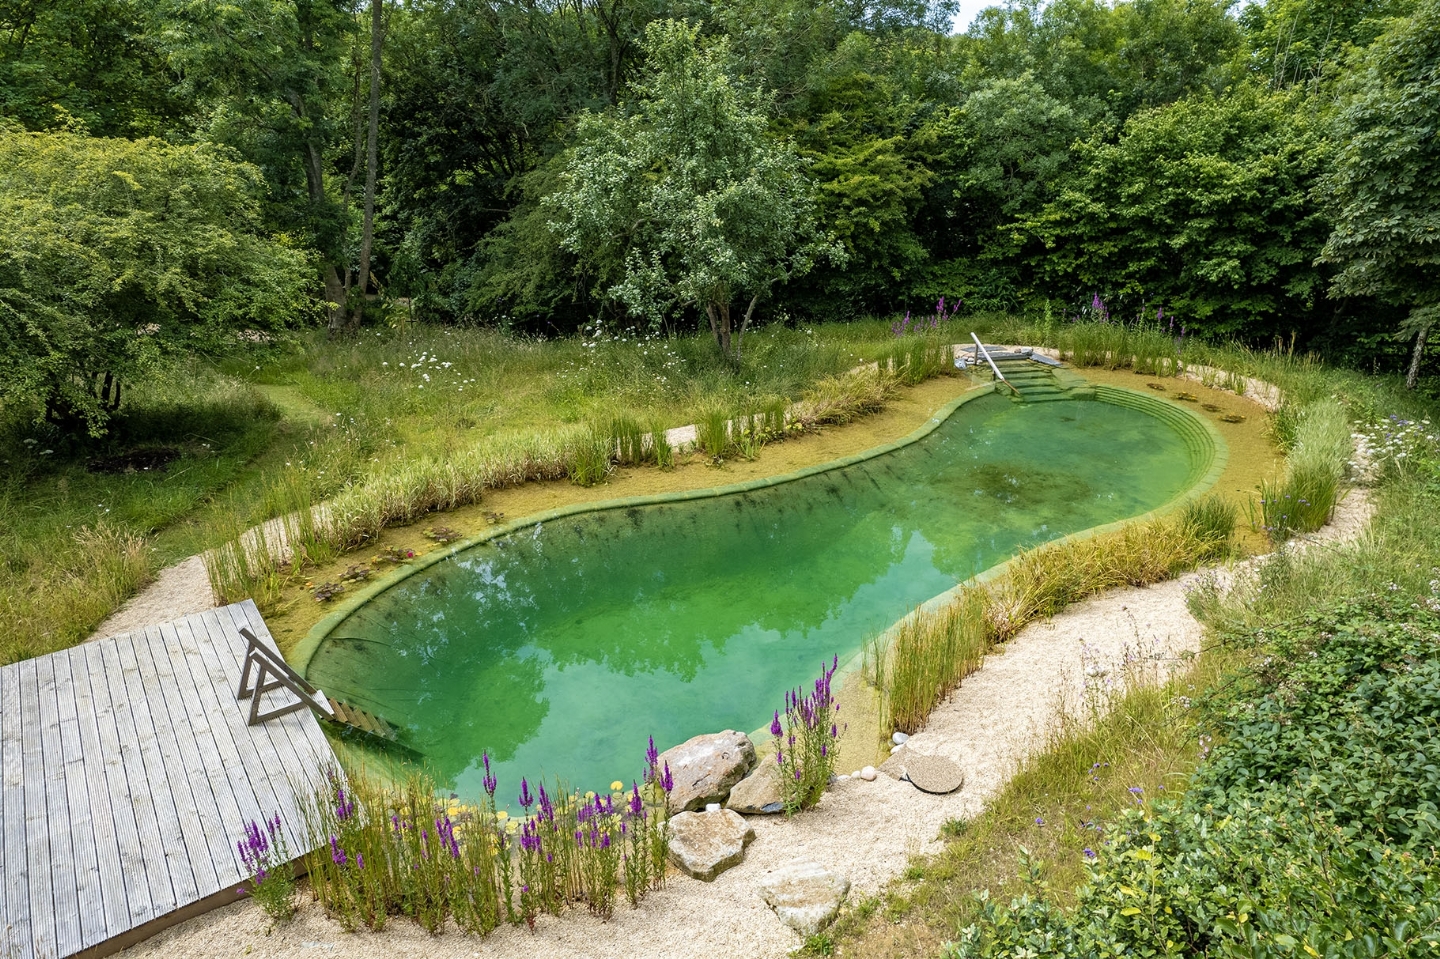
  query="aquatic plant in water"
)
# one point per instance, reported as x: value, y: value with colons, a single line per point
x: 806, y: 741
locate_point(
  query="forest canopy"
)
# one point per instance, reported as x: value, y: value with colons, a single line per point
x: 1253, y: 170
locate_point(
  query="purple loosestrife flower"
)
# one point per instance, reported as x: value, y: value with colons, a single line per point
x: 336, y: 853
x: 359, y: 860
x: 779, y: 757
x: 1089, y: 853
x: 547, y: 808
x: 605, y: 840
x: 526, y: 800
x: 775, y: 724
x: 667, y: 783
x: 489, y: 782
x: 636, y: 805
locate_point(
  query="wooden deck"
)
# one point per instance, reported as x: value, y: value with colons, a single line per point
x: 128, y: 774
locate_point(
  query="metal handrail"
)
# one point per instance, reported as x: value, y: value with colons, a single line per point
x: 986, y: 353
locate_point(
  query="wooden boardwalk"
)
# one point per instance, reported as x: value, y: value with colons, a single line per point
x: 128, y: 774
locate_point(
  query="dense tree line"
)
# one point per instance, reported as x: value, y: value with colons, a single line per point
x: 1258, y: 172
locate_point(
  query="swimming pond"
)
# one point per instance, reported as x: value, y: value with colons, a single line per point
x: 559, y: 646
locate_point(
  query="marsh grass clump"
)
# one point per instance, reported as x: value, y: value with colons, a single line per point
x: 928, y: 655
x: 630, y: 446
x: 712, y: 432
x: 661, y: 452
x: 391, y: 849
x: 1211, y: 520
x: 1304, y: 497
x: 591, y: 457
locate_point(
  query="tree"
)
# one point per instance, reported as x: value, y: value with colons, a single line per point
x: 1385, y: 184
x: 115, y: 254
x: 269, y: 74
x: 680, y: 198
x: 1203, y: 207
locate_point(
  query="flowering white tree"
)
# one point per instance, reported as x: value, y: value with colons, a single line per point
x: 681, y: 198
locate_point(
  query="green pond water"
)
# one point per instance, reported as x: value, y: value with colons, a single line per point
x: 560, y: 647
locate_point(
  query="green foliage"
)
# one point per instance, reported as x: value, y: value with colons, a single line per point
x: 1384, y: 189
x: 1310, y: 827
x: 95, y: 64
x: 116, y: 254
x: 680, y: 200
x: 1203, y: 208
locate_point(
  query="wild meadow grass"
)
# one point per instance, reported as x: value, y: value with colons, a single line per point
x: 385, y: 849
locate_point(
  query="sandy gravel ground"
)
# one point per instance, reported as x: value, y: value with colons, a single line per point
x: 178, y: 591
x: 866, y: 831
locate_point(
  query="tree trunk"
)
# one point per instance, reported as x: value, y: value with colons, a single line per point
x: 1414, y: 372
x: 745, y: 322
x: 367, y: 234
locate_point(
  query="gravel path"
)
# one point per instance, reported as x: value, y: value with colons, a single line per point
x: 865, y: 831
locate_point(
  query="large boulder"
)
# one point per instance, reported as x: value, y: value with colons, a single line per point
x: 758, y: 793
x: 705, y: 844
x: 804, y: 896
x: 704, y: 769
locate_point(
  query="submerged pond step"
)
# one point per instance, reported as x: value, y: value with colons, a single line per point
x: 559, y: 646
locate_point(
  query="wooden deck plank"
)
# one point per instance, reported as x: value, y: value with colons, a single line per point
x: 162, y: 790
x: 302, y: 767
x: 257, y: 796
x: 64, y: 886
x: 268, y: 763
x: 83, y: 845
x: 115, y: 908
x: 216, y: 750
x: 37, y: 828
x: 137, y: 789
x: 16, y: 877
x: 133, y: 864
x: 169, y: 743
x: 183, y: 703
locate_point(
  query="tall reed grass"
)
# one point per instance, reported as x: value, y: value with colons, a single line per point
x: 927, y: 656
x: 1303, y: 499
x: 919, y: 663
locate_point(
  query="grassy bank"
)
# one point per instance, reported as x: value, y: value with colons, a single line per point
x: 389, y: 421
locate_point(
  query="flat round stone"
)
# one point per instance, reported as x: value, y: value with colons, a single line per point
x: 933, y: 774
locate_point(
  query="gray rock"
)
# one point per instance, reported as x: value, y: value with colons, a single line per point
x: 900, y: 739
x: 704, y: 769
x: 705, y: 844
x: 933, y: 774
x: 758, y: 793
x: 804, y: 896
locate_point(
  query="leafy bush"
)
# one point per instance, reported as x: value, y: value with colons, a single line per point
x: 1312, y: 827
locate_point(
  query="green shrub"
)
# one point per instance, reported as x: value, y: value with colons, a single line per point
x: 1310, y: 829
